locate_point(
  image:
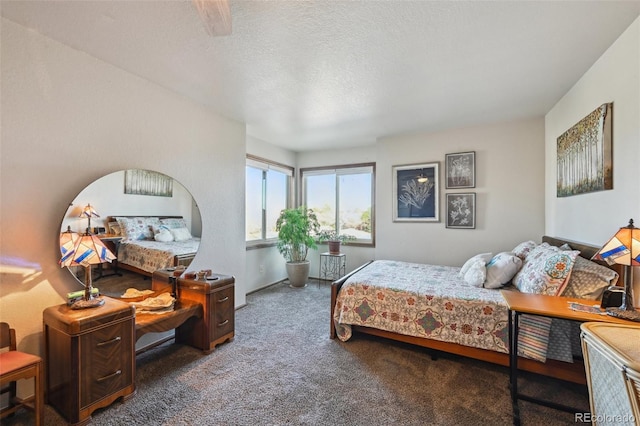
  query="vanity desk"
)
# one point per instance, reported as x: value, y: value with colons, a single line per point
x: 90, y: 353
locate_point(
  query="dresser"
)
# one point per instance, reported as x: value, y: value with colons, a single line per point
x: 216, y: 296
x: 89, y: 357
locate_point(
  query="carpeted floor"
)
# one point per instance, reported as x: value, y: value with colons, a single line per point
x: 282, y: 369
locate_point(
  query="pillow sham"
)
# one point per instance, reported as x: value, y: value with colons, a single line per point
x: 138, y: 228
x: 485, y: 257
x: 174, y: 222
x: 180, y: 234
x: 501, y: 269
x: 476, y: 274
x: 524, y: 248
x: 546, y: 270
x: 588, y: 280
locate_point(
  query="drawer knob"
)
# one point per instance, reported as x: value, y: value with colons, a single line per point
x: 223, y: 323
x: 108, y: 342
x: 108, y: 376
x: 223, y: 299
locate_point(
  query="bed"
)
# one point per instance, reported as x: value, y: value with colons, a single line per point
x: 150, y: 243
x: 435, y: 307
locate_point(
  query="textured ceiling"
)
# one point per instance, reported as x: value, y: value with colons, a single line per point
x: 321, y: 74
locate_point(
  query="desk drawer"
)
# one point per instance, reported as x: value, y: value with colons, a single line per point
x: 223, y: 307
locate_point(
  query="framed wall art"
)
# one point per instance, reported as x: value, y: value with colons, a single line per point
x: 461, y: 210
x: 146, y: 182
x: 460, y: 170
x: 415, y: 193
x: 584, y: 160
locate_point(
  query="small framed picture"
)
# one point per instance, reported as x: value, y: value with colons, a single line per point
x: 461, y: 210
x: 460, y: 170
x: 415, y: 193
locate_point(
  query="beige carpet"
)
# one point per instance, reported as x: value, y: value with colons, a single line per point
x: 282, y: 369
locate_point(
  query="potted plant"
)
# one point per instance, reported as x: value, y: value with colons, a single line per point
x: 334, y: 239
x: 296, y: 228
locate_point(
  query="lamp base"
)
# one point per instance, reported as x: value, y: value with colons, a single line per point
x: 91, y: 303
x: 631, y: 315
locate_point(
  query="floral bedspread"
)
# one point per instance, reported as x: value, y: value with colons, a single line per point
x: 151, y: 255
x: 425, y: 301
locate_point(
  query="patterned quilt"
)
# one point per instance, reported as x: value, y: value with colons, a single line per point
x: 425, y: 301
x: 150, y: 255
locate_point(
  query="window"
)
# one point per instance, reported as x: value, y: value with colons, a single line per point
x: 342, y: 198
x: 268, y: 191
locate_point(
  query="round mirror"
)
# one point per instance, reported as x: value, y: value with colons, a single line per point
x: 148, y: 221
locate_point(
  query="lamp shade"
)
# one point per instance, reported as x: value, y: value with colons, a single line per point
x: 89, y: 212
x: 88, y: 250
x: 623, y: 248
x: 68, y: 240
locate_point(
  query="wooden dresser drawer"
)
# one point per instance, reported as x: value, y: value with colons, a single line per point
x: 106, y: 361
x: 224, y: 312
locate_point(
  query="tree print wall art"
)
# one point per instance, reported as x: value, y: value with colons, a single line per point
x: 584, y: 159
x: 461, y: 210
x: 460, y: 170
x: 416, y: 193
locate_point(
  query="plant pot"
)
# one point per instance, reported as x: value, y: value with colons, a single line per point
x: 298, y: 273
x: 334, y: 247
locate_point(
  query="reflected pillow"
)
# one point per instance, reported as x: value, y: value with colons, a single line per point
x: 501, y: 269
x: 174, y: 222
x: 485, y: 257
x: 163, y: 235
x: 180, y: 234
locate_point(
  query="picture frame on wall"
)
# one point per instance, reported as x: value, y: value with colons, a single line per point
x: 460, y: 170
x: 461, y: 210
x: 416, y: 192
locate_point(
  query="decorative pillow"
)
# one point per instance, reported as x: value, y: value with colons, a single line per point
x: 485, y: 257
x: 138, y: 228
x: 546, y: 270
x: 476, y: 274
x: 163, y: 235
x: 588, y: 280
x: 180, y: 234
x: 501, y: 269
x: 523, y: 249
x: 174, y: 222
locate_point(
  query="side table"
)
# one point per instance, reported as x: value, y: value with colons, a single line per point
x: 332, y: 266
x: 545, y: 306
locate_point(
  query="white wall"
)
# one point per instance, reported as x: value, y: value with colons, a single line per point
x: 615, y: 77
x: 509, y: 192
x: 67, y: 119
x: 593, y: 218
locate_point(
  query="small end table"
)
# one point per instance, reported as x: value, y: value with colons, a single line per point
x: 332, y: 266
x: 113, y: 243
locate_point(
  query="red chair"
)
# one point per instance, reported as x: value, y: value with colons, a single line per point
x: 16, y: 365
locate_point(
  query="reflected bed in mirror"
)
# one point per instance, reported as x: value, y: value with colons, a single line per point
x: 146, y: 232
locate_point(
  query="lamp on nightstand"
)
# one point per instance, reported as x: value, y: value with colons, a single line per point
x: 624, y: 249
x: 89, y: 212
x: 84, y: 250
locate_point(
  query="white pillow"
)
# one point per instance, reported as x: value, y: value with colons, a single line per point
x: 485, y: 257
x: 476, y: 274
x: 181, y: 234
x: 501, y: 269
x: 163, y: 235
